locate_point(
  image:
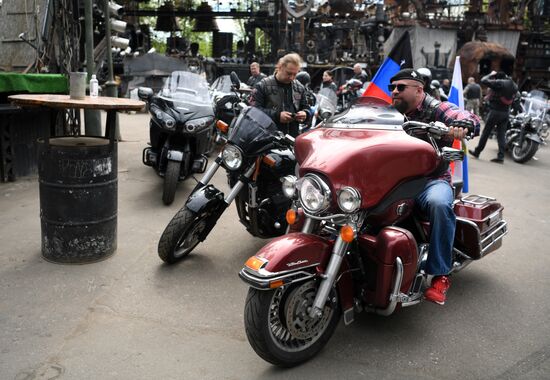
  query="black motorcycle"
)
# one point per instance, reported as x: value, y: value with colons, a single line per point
x: 256, y: 157
x: 528, y: 129
x: 181, y: 129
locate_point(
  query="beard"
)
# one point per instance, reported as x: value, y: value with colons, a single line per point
x: 400, y: 105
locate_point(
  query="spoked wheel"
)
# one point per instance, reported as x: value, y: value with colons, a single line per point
x: 523, y: 151
x: 171, y: 178
x: 278, y: 325
x: 181, y: 235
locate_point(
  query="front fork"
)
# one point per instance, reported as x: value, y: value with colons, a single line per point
x: 329, y: 277
x: 207, y: 177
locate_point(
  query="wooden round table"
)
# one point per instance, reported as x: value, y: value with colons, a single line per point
x: 78, y: 183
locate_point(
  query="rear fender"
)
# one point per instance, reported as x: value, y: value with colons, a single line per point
x: 297, y: 257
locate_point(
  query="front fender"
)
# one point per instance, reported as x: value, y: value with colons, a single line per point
x: 205, y: 199
x: 533, y: 137
x: 288, y: 258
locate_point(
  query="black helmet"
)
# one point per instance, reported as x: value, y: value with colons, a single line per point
x: 304, y: 78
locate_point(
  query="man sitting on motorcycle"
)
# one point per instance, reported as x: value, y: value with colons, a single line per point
x: 282, y: 97
x: 436, y: 200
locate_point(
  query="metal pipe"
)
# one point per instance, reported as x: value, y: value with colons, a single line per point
x: 92, y: 118
x: 238, y: 186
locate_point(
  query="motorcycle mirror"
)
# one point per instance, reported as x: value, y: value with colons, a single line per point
x: 235, y: 80
x: 145, y: 93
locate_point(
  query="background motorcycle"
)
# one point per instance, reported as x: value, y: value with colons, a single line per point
x: 528, y: 129
x: 361, y: 245
x: 348, y: 93
x: 255, y: 157
x: 181, y: 129
x: 230, y: 98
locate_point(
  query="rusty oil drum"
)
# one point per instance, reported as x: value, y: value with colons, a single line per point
x: 78, y: 199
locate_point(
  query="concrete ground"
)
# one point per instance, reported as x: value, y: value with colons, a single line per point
x: 132, y: 317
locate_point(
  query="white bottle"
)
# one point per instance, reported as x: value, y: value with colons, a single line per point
x: 94, y: 87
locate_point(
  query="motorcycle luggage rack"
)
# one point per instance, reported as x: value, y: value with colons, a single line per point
x: 477, y: 200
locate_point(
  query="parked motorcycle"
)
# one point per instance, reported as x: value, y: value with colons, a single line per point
x: 255, y: 157
x: 348, y: 93
x: 230, y: 98
x: 529, y: 129
x: 181, y: 129
x: 356, y: 242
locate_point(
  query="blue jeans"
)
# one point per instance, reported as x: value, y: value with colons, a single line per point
x: 436, y: 202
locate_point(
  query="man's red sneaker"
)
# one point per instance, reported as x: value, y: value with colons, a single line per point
x: 438, y: 291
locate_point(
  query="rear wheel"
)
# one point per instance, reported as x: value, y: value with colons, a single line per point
x: 278, y: 325
x: 171, y: 178
x: 523, y: 151
x: 181, y: 235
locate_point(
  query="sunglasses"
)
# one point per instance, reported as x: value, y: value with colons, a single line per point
x: 400, y: 87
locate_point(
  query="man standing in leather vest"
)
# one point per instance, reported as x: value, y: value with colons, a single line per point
x: 282, y: 97
x: 500, y: 96
x: 436, y: 200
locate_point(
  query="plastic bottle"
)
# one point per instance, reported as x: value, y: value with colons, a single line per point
x: 94, y: 87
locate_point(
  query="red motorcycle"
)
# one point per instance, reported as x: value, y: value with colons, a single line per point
x: 356, y: 242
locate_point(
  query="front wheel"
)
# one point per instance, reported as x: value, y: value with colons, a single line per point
x: 523, y: 151
x: 171, y: 178
x: 181, y: 235
x: 278, y: 325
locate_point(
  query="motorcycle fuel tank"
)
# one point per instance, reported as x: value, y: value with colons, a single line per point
x: 372, y: 160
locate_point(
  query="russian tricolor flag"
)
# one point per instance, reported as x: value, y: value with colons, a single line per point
x: 400, y: 57
x: 456, y: 96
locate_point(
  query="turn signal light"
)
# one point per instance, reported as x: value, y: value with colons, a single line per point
x: 269, y: 161
x: 276, y: 284
x: 291, y: 216
x: 254, y: 263
x: 222, y: 126
x: 347, y: 234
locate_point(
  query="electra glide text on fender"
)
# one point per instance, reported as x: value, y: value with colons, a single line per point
x: 257, y: 155
x: 356, y: 242
x: 181, y: 129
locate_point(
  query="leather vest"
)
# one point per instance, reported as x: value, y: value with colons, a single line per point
x: 275, y: 96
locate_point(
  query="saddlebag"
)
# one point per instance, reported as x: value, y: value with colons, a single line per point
x: 479, y: 225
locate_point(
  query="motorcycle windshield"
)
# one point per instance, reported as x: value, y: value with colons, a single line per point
x: 536, y: 104
x: 222, y: 84
x: 368, y: 112
x: 253, y: 131
x: 326, y: 101
x: 186, y: 87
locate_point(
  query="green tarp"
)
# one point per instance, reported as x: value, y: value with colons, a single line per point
x: 34, y: 83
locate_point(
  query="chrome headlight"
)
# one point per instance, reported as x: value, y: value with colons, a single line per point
x: 232, y: 157
x: 314, y: 194
x: 349, y: 199
x: 199, y: 123
x: 289, y: 186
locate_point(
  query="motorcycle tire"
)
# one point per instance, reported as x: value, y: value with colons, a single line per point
x: 180, y: 236
x: 524, y: 152
x: 274, y: 336
x: 171, y: 178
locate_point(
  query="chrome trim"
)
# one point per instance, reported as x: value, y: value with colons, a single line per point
x: 327, y: 217
x: 267, y: 274
x: 263, y: 283
x: 238, y: 186
x: 210, y: 173
x: 501, y: 230
x: 395, y: 295
x: 330, y: 274
x: 458, y: 266
x: 309, y: 225
x: 349, y: 316
x: 476, y: 197
x: 324, y: 188
x: 354, y: 192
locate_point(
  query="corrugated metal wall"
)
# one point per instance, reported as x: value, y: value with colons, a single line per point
x: 16, y: 17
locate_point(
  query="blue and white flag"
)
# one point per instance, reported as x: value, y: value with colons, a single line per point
x: 456, y: 96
